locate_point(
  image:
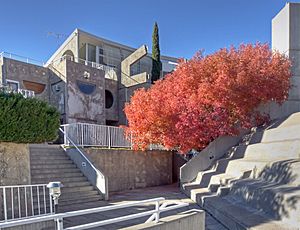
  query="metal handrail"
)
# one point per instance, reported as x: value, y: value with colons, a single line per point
x: 59, y: 217
x: 81, y: 153
x: 25, y: 185
x: 105, y: 190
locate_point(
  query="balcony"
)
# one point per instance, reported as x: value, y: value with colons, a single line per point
x: 110, y: 72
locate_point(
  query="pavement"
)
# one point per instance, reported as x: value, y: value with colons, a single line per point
x: 169, y: 192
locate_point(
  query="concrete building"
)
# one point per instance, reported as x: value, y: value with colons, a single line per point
x: 286, y: 39
x: 88, y: 78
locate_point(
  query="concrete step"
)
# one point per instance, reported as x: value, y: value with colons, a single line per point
x: 57, y: 157
x: 293, y: 119
x: 283, y: 172
x: 273, y: 151
x: 224, y: 178
x: 276, y: 135
x: 76, y: 184
x: 77, y: 189
x: 57, y: 175
x: 236, y: 215
x: 53, y: 171
x: 52, y: 166
x: 63, y: 180
x: 69, y: 194
x: 38, y: 151
x: 281, y: 201
x: 74, y: 194
x: 243, y: 166
x: 48, y: 162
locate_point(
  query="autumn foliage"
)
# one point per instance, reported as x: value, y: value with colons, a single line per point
x: 207, y: 97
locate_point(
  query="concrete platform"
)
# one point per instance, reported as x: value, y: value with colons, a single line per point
x: 170, y: 192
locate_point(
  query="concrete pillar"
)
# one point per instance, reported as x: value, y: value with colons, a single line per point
x: 286, y: 39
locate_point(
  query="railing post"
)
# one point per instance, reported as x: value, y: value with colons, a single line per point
x: 4, y: 204
x: 108, y: 131
x: 131, y: 144
x: 82, y: 135
x: 65, y: 135
x: 59, y: 224
x: 157, y: 211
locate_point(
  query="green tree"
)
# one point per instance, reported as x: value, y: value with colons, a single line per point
x: 156, y: 63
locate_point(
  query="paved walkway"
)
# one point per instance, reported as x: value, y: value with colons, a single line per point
x: 169, y: 192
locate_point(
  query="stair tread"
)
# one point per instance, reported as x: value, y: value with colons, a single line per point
x: 257, y: 184
x: 239, y: 213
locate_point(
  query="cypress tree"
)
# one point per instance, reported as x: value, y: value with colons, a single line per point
x: 156, y: 63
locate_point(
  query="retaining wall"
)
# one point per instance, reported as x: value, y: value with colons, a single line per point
x: 128, y: 169
x: 14, y: 164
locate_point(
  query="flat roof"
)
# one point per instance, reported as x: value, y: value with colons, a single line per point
x: 109, y: 42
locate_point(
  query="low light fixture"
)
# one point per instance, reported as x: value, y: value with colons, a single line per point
x: 55, y: 190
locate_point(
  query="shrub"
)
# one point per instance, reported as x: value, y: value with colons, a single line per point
x: 27, y: 120
x: 207, y: 97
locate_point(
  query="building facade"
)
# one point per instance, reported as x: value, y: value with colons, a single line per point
x: 88, y: 79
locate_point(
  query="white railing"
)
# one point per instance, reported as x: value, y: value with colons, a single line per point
x: 58, y: 218
x: 20, y: 201
x: 21, y: 58
x: 83, y: 134
x: 25, y: 93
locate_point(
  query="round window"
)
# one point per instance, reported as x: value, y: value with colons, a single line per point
x: 109, y: 99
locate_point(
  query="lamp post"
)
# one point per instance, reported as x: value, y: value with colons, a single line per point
x: 55, y: 192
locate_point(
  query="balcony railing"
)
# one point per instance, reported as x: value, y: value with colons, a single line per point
x: 21, y: 58
x: 24, y: 92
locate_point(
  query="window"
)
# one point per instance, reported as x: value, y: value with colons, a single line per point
x: 86, y: 88
x: 101, y: 56
x: 91, y: 53
x: 13, y: 85
x: 109, y: 99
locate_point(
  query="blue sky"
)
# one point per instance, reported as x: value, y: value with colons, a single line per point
x: 184, y: 26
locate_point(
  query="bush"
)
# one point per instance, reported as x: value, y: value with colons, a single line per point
x: 27, y: 120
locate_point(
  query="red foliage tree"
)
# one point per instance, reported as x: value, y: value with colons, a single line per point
x: 207, y: 97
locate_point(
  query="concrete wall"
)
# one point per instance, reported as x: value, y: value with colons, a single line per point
x: 37, y: 226
x: 14, y: 164
x: 214, y: 151
x: 128, y: 169
x: 82, y: 107
x: 190, y: 220
x: 20, y: 71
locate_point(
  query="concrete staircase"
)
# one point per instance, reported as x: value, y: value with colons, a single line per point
x: 256, y: 185
x: 51, y: 163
